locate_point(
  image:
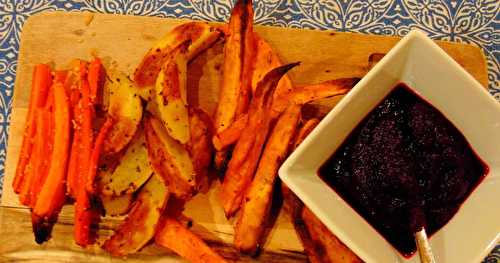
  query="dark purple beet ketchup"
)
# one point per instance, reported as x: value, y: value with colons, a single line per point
x: 404, y: 166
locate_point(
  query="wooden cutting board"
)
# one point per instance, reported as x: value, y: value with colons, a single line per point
x: 122, y: 41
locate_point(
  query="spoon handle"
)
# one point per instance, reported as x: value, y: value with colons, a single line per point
x: 424, y: 248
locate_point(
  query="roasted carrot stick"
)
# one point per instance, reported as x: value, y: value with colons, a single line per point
x: 85, y: 214
x: 74, y: 159
x: 173, y: 235
x: 95, y: 78
x: 43, y: 149
x: 96, y: 153
x: 60, y: 76
x: 42, y: 80
x: 29, y: 172
x: 81, y: 109
x: 45, y: 204
x: 52, y: 194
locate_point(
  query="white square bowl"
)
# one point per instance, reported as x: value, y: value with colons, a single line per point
x: 430, y: 72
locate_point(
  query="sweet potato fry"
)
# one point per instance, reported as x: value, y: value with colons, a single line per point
x: 327, y: 246
x: 248, y: 149
x: 309, y: 93
x: 200, y: 34
x: 169, y: 159
x: 173, y: 235
x: 230, y: 136
x: 257, y: 202
x: 199, y: 147
x: 374, y: 58
x: 52, y: 195
x: 132, y: 171
x: 248, y: 59
x: 319, y: 243
x: 231, y: 88
x: 171, y: 97
x: 239, y: 59
x: 304, y: 131
x: 140, y: 225
x: 292, y: 202
x: 41, y: 82
x: 294, y: 205
x: 265, y: 60
x: 125, y: 108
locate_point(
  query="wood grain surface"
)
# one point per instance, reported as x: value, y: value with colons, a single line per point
x: 121, y: 41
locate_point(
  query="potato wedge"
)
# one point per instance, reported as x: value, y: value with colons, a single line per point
x: 140, y: 225
x: 200, y: 34
x: 131, y: 172
x: 173, y: 235
x: 116, y: 205
x: 246, y: 154
x: 258, y: 198
x: 199, y: 147
x: 125, y: 108
x: 169, y: 159
x: 171, y: 97
x: 326, y: 245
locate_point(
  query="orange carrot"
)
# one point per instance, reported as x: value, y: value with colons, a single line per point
x: 41, y: 83
x: 74, y: 160
x: 60, y: 76
x: 85, y: 214
x: 54, y: 184
x: 43, y: 149
x: 96, y: 153
x: 29, y: 173
x: 95, y: 78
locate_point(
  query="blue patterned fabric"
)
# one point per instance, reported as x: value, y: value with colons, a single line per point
x: 470, y: 21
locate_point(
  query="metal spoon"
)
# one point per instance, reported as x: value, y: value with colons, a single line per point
x: 423, y: 246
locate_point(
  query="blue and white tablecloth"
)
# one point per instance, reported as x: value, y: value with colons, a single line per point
x: 470, y: 21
